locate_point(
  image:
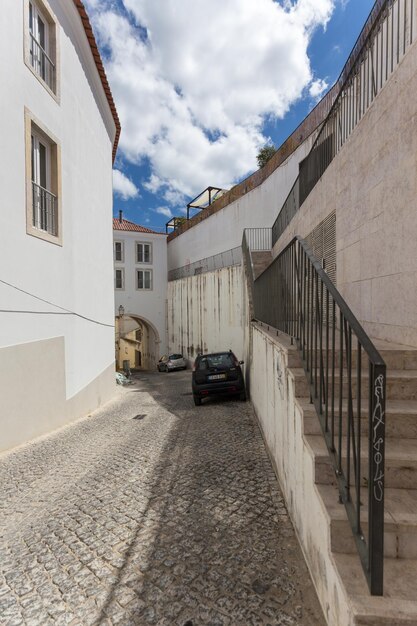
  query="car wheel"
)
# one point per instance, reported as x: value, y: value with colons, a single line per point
x: 197, y: 400
x: 242, y: 396
x: 185, y: 367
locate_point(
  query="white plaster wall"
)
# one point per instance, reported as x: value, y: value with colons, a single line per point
x: 256, y: 209
x: 206, y: 313
x: 79, y: 274
x: 372, y: 186
x: 281, y: 421
x: 149, y: 305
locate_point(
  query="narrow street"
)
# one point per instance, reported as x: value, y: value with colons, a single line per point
x: 150, y: 511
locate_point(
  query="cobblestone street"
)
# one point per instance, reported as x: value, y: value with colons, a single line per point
x: 150, y: 511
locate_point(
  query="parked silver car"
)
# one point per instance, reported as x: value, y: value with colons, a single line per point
x: 171, y: 362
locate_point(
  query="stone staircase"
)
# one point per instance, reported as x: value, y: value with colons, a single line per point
x: 398, y: 606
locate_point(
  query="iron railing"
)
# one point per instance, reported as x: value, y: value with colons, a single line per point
x: 380, y: 47
x: 209, y: 264
x: 258, y: 239
x: 347, y: 378
x: 44, y: 206
x: 42, y: 64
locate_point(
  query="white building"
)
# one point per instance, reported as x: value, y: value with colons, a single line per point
x: 59, y: 129
x: 140, y: 282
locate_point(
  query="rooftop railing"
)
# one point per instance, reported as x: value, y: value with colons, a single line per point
x: 228, y: 258
x: 380, y: 47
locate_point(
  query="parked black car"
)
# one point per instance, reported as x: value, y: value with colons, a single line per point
x: 215, y: 374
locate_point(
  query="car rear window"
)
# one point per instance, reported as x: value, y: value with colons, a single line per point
x: 216, y: 360
x: 175, y: 357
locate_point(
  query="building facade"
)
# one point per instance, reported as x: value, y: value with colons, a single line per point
x: 140, y: 283
x: 60, y: 129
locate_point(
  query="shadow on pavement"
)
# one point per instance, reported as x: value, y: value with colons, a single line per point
x: 212, y: 545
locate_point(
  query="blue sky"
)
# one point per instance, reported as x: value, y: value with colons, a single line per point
x: 200, y: 88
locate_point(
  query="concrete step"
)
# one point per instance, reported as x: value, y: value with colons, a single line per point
x: 400, y: 522
x: 400, y: 462
x: 398, y: 606
x: 401, y: 384
x: 396, y: 357
x: 400, y: 419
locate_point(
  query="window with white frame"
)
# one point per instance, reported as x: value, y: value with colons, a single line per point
x: 44, y: 202
x: 119, y: 251
x: 43, y: 176
x: 143, y: 252
x: 119, y: 279
x: 41, y: 51
x: 144, y: 279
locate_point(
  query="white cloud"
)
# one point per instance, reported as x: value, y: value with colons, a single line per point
x: 174, y: 198
x: 123, y: 186
x: 154, y: 184
x: 194, y: 93
x: 317, y: 89
x: 163, y: 210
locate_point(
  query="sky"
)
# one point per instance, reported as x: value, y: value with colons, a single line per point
x: 200, y: 86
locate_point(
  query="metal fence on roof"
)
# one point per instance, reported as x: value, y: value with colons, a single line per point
x: 389, y: 31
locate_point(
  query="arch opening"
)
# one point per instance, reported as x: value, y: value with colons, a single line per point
x: 137, y: 341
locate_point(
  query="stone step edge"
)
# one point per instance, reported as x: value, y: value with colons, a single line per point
x: 386, y: 610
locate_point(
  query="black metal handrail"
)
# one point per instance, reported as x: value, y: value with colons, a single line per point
x: 387, y: 33
x: 42, y: 63
x: 44, y: 210
x: 295, y: 295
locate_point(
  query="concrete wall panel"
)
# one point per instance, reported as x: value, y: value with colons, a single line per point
x: 34, y: 395
x: 372, y: 186
x: 256, y: 209
x: 281, y: 421
x: 205, y: 313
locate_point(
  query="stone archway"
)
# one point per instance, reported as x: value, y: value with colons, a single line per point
x: 137, y: 341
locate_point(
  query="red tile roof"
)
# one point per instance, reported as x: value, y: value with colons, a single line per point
x: 126, y: 225
x: 100, y: 68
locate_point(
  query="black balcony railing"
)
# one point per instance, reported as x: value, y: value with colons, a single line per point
x: 45, y: 213
x: 42, y: 64
x: 347, y: 386
x: 383, y: 42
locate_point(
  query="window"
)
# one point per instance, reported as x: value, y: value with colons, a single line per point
x: 144, y: 279
x: 40, y: 43
x: 44, y: 202
x: 143, y: 252
x: 118, y: 251
x: 119, y: 279
x: 216, y: 360
x: 43, y: 217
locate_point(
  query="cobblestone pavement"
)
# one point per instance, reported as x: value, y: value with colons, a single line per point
x: 150, y: 511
